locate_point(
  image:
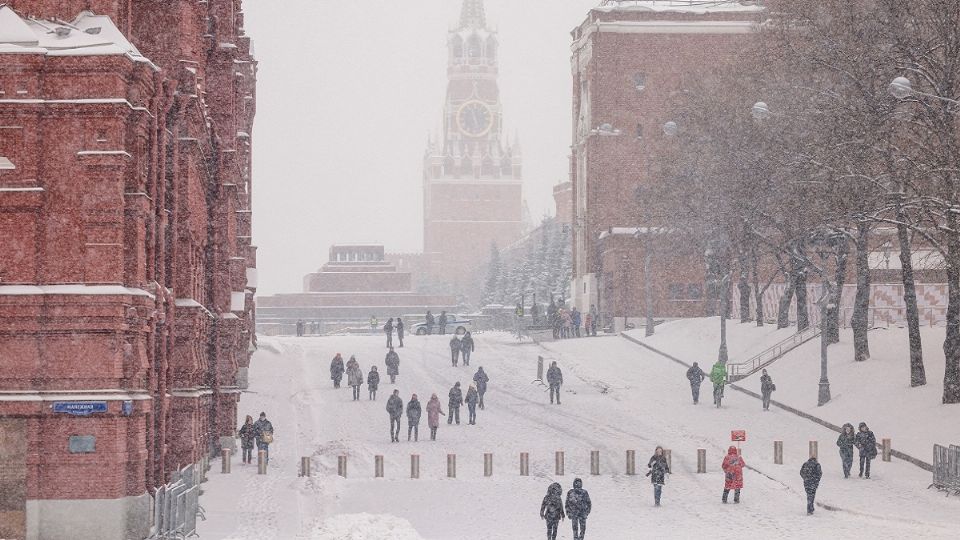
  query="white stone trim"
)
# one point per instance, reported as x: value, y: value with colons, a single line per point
x: 666, y: 27
x: 108, y: 394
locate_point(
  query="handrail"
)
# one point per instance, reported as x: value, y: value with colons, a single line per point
x: 766, y: 357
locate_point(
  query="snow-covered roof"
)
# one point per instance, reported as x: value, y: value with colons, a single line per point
x: 88, y: 35
x: 682, y: 6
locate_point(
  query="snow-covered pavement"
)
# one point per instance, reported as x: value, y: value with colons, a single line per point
x: 617, y: 397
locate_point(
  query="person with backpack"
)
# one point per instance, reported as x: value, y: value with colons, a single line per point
x: 481, y: 379
x: 263, y: 433
x: 456, y: 400
x: 336, y: 370
x: 247, y: 437
x: 659, y: 469
x: 472, y: 399
x: 392, y: 361
x: 395, y: 410
x: 554, y: 379
x: 413, y: 418
x: 454, y: 350
x: 696, y: 376
x: 766, y: 389
x: 400, y: 332
x: 578, y: 509
x: 433, y: 416
x: 466, y: 348
x: 733, y: 474
x: 354, y: 377
x: 846, y: 441
x: 551, y: 510
x: 718, y: 376
x: 866, y: 443
x: 373, y: 382
x: 811, y: 472
x: 388, y: 330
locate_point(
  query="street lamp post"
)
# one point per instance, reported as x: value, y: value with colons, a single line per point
x: 648, y: 290
x: 902, y: 88
x: 823, y: 395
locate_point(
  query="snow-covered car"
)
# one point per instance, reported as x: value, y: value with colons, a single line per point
x: 457, y: 323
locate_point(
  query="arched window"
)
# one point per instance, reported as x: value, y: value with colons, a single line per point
x: 474, y: 47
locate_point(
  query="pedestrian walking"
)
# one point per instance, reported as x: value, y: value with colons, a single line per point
x: 454, y: 350
x: 433, y: 415
x: 554, y: 379
x: 466, y: 348
x: 393, y: 365
x: 659, y: 469
x: 430, y: 320
x: 442, y: 321
x: 413, y: 418
x: 336, y: 370
x: 587, y: 323
x: 472, y: 399
x: 594, y: 319
x: 373, y: 382
x: 766, y: 389
x: 733, y: 474
x: 388, y: 330
x: 551, y: 510
x: 456, y: 400
x: 263, y: 433
x: 567, y: 323
x: 300, y: 327
x: 846, y: 441
x: 247, y: 435
x: 696, y: 376
x: 578, y: 509
x: 552, y: 319
x: 354, y: 377
x: 400, y: 329
x: 811, y: 473
x: 866, y: 443
x: 395, y: 410
x: 576, y: 319
x: 718, y: 376
x: 481, y: 379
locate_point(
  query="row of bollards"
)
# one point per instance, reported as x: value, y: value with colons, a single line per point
x: 631, y: 464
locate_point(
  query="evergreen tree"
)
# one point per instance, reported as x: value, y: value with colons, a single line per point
x: 492, y: 288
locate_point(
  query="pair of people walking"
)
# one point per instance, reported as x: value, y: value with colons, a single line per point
x: 577, y: 509
x: 390, y: 327
x: 461, y: 347
x: 864, y: 441
x: 259, y: 433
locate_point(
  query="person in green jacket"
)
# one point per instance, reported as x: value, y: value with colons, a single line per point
x: 718, y: 376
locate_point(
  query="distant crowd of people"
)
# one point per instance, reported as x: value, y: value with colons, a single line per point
x: 567, y: 323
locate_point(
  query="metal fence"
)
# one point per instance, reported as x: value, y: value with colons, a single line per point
x: 946, y: 468
x: 176, y: 505
x: 737, y: 371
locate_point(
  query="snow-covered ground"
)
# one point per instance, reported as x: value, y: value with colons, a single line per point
x: 877, y: 391
x: 617, y: 397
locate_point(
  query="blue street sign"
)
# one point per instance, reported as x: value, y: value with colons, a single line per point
x: 127, y: 407
x: 80, y: 408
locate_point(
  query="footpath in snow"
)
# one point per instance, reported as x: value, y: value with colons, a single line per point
x: 617, y: 397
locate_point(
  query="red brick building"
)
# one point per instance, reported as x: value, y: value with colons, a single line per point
x: 357, y: 281
x: 628, y: 57
x: 126, y: 267
x: 472, y: 175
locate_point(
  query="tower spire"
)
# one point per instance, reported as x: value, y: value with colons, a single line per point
x: 472, y: 14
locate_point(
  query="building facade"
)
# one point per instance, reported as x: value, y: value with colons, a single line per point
x: 126, y: 266
x: 357, y: 282
x: 472, y: 175
x: 628, y: 58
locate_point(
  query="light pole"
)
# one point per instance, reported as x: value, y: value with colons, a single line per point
x: 823, y: 396
x: 902, y: 88
x: 648, y: 291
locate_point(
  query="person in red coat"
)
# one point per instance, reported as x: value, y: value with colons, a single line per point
x: 733, y: 472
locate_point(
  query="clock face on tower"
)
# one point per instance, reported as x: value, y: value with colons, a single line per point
x: 474, y: 118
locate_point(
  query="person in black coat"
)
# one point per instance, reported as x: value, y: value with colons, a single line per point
x: 466, y: 348
x: 578, y: 508
x: 811, y: 473
x: 392, y: 360
x: 766, y: 389
x: 336, y: 370
x: 442, y: 321
x: 481, y: 378
x: 659, y: 469
x: 846, y: 442
x: 395, y: 408
x: 373, y: 382
x: 456, y: 400
x: 866, y: 443
x: 413, y: 418
x: 554, y: 379
x: 454, y: 350
x: 430, y: 320
x: 696, y: 376
x: 551, y: 510
x: 399, y: 327
x: 388, y: 330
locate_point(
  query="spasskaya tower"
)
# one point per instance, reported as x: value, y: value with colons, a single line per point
x: 472, y: 173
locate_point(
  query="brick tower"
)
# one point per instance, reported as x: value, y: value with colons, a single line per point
x: 472, y: 174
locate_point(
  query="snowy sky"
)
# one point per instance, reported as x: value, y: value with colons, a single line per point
x: 347, y: 93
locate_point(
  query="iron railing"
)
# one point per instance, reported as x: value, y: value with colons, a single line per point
x: 946, y: 468
x: 741, y: 370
